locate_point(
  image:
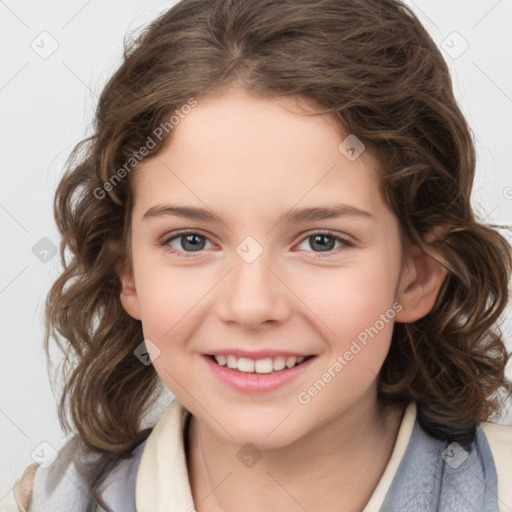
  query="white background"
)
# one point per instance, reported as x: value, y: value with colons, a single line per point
x: 47, y: 107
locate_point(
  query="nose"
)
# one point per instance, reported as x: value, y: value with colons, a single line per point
x: 253, y: 294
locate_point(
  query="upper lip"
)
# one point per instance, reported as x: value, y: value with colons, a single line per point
x: 256, y: 354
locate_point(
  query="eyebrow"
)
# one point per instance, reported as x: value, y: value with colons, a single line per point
x: 293, y: 215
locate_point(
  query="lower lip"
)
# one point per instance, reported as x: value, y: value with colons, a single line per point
x: 256, y: 382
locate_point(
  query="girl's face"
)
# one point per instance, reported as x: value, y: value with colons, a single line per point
x: 255, y: 277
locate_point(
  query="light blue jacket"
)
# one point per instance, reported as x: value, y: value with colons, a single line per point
x: 433, y: 476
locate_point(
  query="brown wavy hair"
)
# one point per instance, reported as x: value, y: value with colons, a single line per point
x: 373, y: 64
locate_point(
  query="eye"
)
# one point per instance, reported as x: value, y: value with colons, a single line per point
x: 186, y: 241
x: 325, y: 241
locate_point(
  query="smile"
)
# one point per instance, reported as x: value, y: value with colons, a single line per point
x: 259, y: 375
x: 266, y: 365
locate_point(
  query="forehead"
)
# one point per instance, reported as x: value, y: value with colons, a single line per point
x: 235, y: 151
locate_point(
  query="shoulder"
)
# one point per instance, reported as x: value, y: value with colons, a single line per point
x: 499, y: 438
x: 497, y: 431
x: 23, y: 488
x: 62, y: 487
x: 35, y: 479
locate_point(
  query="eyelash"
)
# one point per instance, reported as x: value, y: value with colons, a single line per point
x: 183, y: 254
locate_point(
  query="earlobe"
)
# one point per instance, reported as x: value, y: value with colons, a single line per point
x: 128, y: 295
x: 419, y: 287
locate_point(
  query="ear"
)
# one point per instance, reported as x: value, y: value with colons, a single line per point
x: 419, y: 284
x: 128, y: 295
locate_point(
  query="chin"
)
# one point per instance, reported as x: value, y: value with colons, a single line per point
x: 266, y: 433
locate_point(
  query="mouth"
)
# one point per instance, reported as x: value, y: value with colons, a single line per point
x: 268, y: 365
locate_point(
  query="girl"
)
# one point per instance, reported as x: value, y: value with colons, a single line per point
x: 273, y: 220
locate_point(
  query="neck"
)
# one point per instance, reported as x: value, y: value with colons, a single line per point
x: 335, y: 467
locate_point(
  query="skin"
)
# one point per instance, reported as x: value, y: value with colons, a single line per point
x: 249, y: 159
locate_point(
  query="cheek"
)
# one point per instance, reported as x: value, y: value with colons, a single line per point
x: 348, y: 299
x: 168, y: 295
x: 173, y: 303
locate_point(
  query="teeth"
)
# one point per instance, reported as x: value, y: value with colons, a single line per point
x: 291, y: 361
x: 267, y: 365
x: 221, y: 360
x: 245, y: 365
x: 279, y: 363
x: 264, y: 365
